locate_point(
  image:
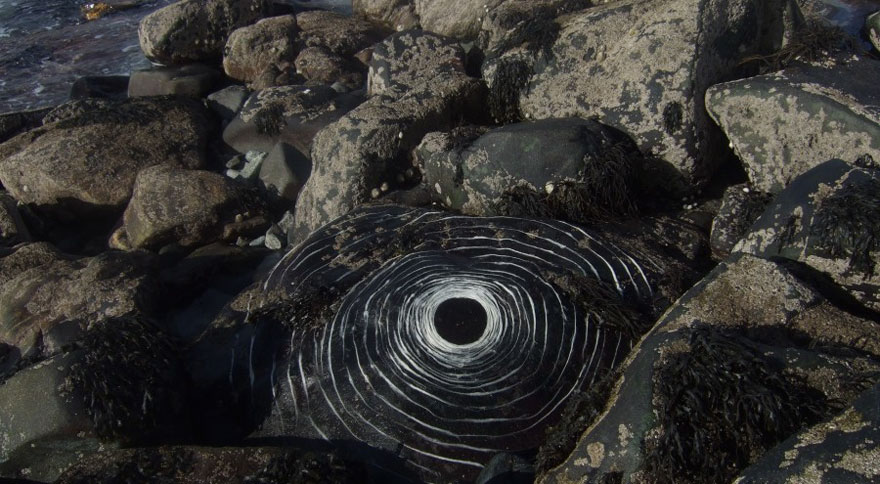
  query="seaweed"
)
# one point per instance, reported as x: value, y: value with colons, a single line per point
x: 270, y: 120
x: 847, y: 224
x: 814, y: 41
x: 522, y: 201
x: 511, y: 78
x: 130, y: 381
x: 581, y: 411
x: 308, y: 468
x: 721, y: 405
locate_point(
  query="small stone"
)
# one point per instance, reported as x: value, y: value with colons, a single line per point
x: 548, y: 188
x: 746, y: 190
x: 241, y: 241
x: 235, y: 162
x: 261, y: 240
x: 385, y: 187
x: 273, y: 241
x: 375, y: 193
x: 239, y: 218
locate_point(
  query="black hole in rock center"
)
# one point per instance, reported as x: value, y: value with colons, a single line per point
x: 460, y: 320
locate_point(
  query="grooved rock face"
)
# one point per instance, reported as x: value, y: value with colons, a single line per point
x: 195, y: 30
x: 494, y: 322
x: 397, y: 14
x: 252, y: 49
x: 89, y: 161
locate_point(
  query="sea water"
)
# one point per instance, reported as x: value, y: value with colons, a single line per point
x: 47, y: 44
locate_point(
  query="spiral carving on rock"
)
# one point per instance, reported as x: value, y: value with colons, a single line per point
x: 445, y: 338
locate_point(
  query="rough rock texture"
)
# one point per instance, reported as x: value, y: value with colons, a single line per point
x: 785, y: 123
x: 90, y: 161
x: 186, y: 207
x: 367, y: 147
x: 340, y: 34
x: 397, y: 14
x: 839, y: 451
x: 454, y: 18
x: 47, y: 306
x: 518, y: 161
x: 27, y: 256
x: 642, y: 67
x: 318, y: 64
x: 76, y: 108
x: 12, y: 227
x: 512, y: 23
x: 252, y: 49
x: 827, y: 219
x: 408, y: 59
x: 195, y: 30
x: 293, y: 114
x: 740, y: 207
x: 747, y: 357
x: 195, y: 80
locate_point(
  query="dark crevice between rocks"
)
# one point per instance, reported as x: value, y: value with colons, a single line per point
x: 847, y: 224
x: 814, y: 41
x: 721, y: 405
x: 580, y: 412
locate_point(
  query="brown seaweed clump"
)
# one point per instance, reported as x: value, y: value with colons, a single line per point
x: 721, y: 406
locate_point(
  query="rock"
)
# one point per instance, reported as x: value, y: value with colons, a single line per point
x: 28, y: 256
x: 365, y: 148
x: 746, y: 358
x: 124, y: 386
x: 107, y: 87
x: 187, y: 207
x: 340, y: 34
x: 581, y: 164
x: 782, y: 124
x: 12, y: 227
x: 292, y: 114
x: 76, y: 108
x: 827, y: 220
x: 15, y: 123
x: 740, y: 207
x: 284, y: 171
x: 38, y: 412
x: 194, y: 80
x: 399, y: 15
x: 88, y: 163
x: 252, y: 49
x: 48, y: 305
x: 408, y: 59
x: 839, y: 451
x: 512, y: 23
x: 872, y: 26
x: 319, y: 65
x: 642, y: 68
x: 228, y: 101
x: 453, y: 18
x: 195, y: 31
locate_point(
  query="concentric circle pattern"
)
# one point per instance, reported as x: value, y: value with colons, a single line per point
x: 370, y: 365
